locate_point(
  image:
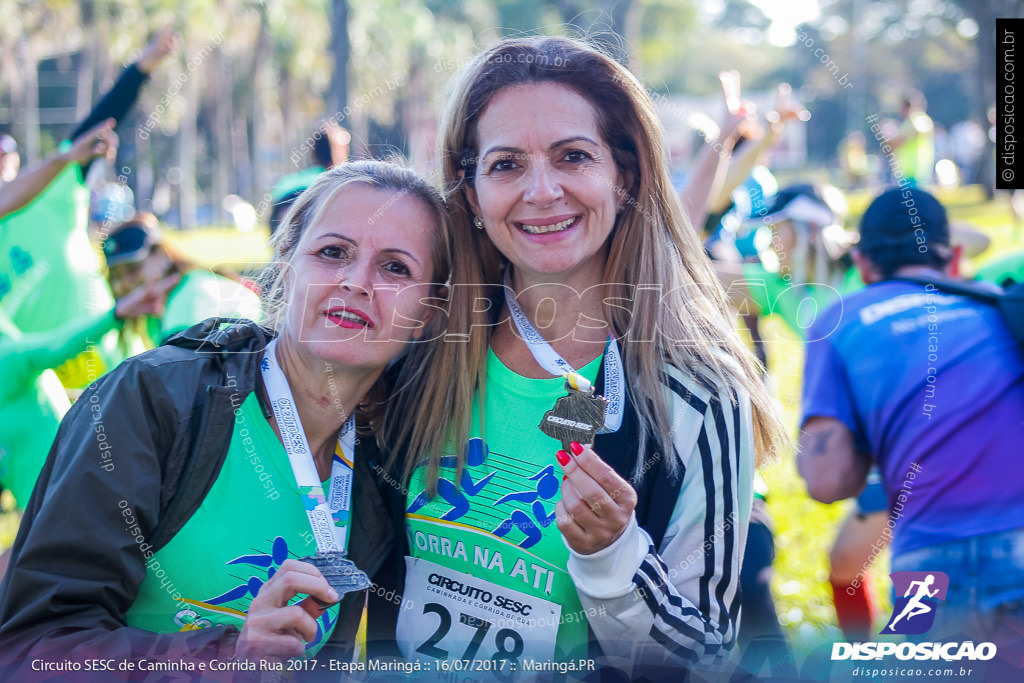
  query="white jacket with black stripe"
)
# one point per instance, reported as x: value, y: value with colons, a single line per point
x: 678, y: 604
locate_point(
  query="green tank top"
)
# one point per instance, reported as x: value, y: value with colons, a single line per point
x: 498, y: 527
x: 250, y: 522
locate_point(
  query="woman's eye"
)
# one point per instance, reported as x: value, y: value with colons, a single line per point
x: 332, y: 252
x: 502, y: 165
x: 397, y: 268
x: 576, y: 156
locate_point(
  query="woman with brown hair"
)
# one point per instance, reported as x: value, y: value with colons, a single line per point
x: 621, y: 522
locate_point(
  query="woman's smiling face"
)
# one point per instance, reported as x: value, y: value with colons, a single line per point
x: 354, y: 285
x: 546, y: 185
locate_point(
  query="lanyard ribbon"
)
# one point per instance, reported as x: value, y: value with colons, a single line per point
x: 328, y: 514
x: 550, y: 360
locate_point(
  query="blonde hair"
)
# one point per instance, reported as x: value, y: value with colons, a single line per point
x: 652, y: 242
x: 412, y: 404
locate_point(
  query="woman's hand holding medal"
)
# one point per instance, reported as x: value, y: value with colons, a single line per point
x: 276, y: 630
x: 596, y: 502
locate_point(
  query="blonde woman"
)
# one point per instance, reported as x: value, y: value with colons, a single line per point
x: 185, y: 486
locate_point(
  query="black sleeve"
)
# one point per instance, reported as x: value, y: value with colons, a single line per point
x: 80, y: 555
x: 115, y: 104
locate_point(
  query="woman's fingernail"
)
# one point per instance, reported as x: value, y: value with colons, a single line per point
x: 576, y: 448
x: 563, y: 457
x: 564, y: 477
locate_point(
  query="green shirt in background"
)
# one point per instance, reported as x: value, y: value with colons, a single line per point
x: 798, y: 305
x: 916, y: 156
x: 201, y: 295
x: 250, y: 522
x: 32, y: 399
x: 50, y: 274
x: 1009, y: 266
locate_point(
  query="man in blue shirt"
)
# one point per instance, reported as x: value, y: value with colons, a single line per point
x: 930, y: 386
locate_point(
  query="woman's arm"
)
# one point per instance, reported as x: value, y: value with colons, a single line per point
x: 679, y: 603
x: 36, y: 351
x: 97, y: 141
x: 118, y: 101
x: 709, y: 168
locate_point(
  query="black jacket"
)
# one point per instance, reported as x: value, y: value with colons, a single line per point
x: 153, y: 432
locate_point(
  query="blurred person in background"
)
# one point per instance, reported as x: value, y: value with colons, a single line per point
x: 139, y: 257
x: 49, y: 270
x: 929, y: 387
x: 22, y: 188
x: 330, y: 146
x: 914, y: 141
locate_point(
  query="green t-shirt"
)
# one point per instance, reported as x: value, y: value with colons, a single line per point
x: 201, y: 295
x: 32, y: 399
x: 50, y: 273
x: 499, y: 528
x: 299, y: 180
x: 799, y: 305
x: 250, y: 522
x: 1009, y: 266
x: 916, y: 156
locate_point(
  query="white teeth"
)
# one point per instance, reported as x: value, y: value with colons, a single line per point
x: 544, y: 229
x: 345, y: 315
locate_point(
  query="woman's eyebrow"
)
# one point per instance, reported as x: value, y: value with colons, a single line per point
x: 336, y: 236
x: 554, y: 145
x: 396, y: 250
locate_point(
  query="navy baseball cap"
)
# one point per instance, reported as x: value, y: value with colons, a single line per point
x: 130, y: 243
x: 901, y: 218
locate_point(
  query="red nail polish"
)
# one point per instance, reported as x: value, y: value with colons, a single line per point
x: 564, y: 477
x: 563, y: 457
x: 576, y: 448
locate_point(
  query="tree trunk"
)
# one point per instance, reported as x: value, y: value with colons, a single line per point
x: 83, y: 92
x: 28, y: 132
x: 337, y: 98
x: 256, y: 110
x: 221, y: 73
x: 187, y: 151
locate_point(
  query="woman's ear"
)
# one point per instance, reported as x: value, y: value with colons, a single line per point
x: 624, y: 182
x: 470, y: 193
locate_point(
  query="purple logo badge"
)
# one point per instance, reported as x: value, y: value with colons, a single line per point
x: 917, y: 596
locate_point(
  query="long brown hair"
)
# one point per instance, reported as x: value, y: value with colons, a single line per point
x: 412, y: 406
x: 652, y: 243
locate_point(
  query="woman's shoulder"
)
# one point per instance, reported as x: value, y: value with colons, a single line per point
x: 700, y: 385
x: 227, y: 348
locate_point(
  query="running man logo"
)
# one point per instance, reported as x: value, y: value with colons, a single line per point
x: 914, y: 612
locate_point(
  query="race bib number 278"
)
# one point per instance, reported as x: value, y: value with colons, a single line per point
x: 455, y: 615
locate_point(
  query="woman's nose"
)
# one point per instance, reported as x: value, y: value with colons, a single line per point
x: 542, y: 185
x: 357, y: 276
